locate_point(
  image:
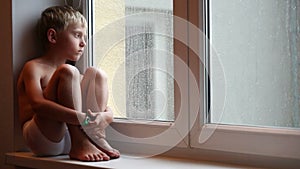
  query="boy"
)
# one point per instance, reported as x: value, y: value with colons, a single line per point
x: 53, y: 95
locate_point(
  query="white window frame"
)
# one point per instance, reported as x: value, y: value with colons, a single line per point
x: 264, y: 141
x: 282, y: 143
x: 156, y: 133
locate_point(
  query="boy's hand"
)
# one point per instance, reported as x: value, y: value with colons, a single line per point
x: 97, y: 119
x: 96, y: 125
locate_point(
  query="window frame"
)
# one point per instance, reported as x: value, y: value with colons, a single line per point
x: 279, y: 143
x: 263, y: 141
x: 115, y: 132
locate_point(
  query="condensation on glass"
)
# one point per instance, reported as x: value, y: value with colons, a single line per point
x: 255, y: 52
x: 144, y: 88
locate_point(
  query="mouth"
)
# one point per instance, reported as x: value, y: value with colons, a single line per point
x: 80, y: 51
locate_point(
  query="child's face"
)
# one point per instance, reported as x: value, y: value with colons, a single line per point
x: 72, y: 41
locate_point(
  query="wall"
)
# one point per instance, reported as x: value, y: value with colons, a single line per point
x: 6, y: 82
x: 18, y: 18
x: 25, y: 45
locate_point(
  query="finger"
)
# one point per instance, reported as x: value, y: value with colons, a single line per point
x: 89, y: 112
x: 92, y: 124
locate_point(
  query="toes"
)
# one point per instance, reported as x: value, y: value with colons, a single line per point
x: 100, y: 156
x: 111, y: 153
x: 114, y: 153
x: 85, y: 158
x: 97, y: 157
x: 91, y: 154
x: 105, y: 156
x: 91, y: 157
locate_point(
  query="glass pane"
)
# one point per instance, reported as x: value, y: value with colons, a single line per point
x: 255, y: 45
x: 140, y: 64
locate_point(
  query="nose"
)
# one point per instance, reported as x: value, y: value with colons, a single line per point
x: 82, y: 43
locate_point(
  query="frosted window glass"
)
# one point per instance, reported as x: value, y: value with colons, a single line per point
x: 146, y: 89
x: 256, y: 46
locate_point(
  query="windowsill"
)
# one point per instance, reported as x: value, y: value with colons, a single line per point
x: 27, y: 160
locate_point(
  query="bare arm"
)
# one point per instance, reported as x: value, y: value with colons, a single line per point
x: 40, y: 105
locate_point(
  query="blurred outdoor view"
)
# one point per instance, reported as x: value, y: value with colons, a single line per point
x: 139, y: 63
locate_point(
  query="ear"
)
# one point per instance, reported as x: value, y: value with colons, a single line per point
x: 51, y: 35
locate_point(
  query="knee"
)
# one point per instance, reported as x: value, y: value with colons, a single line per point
x: 68, y: 71
x: 99, y: 74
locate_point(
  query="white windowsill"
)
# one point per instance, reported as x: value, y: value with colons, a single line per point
x: 27, y: 160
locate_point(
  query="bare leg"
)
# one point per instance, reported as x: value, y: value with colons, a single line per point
x: 64, y: 88
x: 95, y: 95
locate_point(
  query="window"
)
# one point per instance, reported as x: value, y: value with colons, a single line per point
x: 133, y: 41
x: 140, y: 59
x: 249, y: 83
x: 198, y: 74
x: 257, y: 45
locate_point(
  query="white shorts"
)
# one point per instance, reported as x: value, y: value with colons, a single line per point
x: 42, y: 146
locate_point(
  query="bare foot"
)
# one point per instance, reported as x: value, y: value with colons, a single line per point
x: 86, y: 151
x: 96, y: 132
x: 103, y: 145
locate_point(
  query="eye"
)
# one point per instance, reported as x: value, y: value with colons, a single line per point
x: 77, y: 35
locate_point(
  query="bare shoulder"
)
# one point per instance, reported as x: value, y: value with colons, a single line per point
x: 31, y: 70
x: 32, y: 67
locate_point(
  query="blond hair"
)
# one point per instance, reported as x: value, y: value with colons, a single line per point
x: 58, y: 18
